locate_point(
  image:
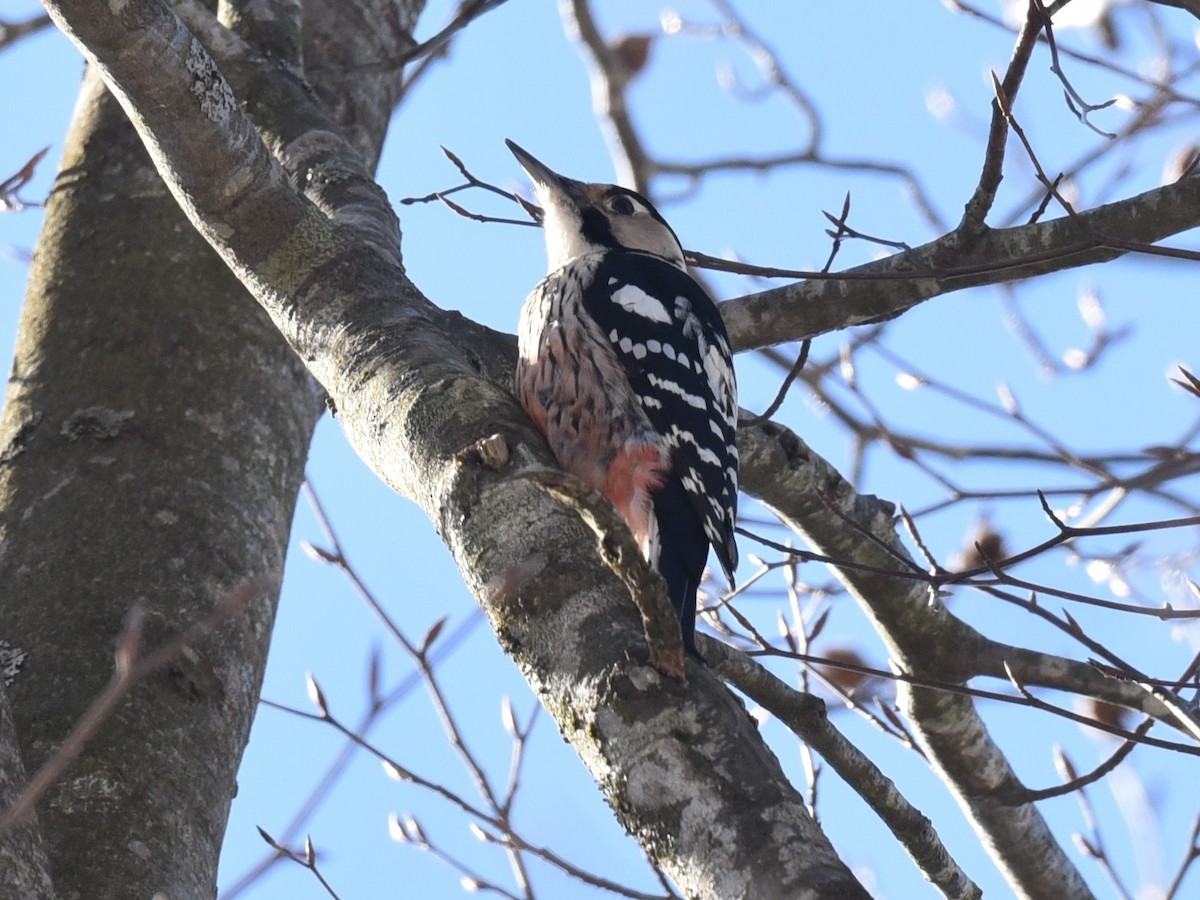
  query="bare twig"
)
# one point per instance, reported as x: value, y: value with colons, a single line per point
x: 1080, y: 107
x: 1076, y: 782
x: 11, y: 186
x: 468, y: 11
x: 308, y: 859
x: 773, y: 408
x: 993, y: 158
x: 11, y: 32
x: 336, y: 769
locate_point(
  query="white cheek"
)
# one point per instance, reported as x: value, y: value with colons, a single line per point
x: 563, y: 239
x: 645, y: 233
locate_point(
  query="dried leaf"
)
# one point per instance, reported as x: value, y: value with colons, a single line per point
x: 633, y: 52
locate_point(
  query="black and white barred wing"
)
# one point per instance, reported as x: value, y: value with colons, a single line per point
x: 668, y: 334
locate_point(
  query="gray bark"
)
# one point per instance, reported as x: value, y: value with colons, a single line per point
x: 964, y: 258
x: 684, y: 768
x: 24, y: 869
x: 154, y: 437
x: 926, y: 641
x: 152, y: 445
x: 417, y: 387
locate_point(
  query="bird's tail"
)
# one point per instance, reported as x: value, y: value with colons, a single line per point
x: 682, y: 553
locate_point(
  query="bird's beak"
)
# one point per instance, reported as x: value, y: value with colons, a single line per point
x: 546, y: 181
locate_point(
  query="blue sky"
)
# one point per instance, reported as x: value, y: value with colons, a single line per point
x: 514, y: 75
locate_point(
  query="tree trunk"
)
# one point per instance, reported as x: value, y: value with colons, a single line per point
x: 151, y: 448
x: 154, y: 439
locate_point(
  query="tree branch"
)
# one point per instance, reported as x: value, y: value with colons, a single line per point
x: 955, y: 261
x: 410, y: 397
x: 924, y: 639
x: 608, y: 77
x: 805, y: 715
x: 11, y: 32
x: 993, y: 158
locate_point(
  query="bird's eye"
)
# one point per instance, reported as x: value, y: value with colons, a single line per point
x: 621, y: 205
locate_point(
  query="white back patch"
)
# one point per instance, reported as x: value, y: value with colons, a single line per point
x: 634, y: 300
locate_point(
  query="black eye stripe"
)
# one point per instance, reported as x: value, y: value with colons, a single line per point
x: 602, y: 207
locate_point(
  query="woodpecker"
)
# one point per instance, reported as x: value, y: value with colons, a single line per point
x: 625, y: 367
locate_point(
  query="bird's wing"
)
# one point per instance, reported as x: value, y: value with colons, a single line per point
x: 670, y: 338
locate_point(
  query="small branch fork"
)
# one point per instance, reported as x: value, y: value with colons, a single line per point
x: 993, y: 159
x: 940, y: 578
x: 407, y: 830
x: 694, y: 258
x: 308, y: 859
x: 468, y: 11
x: 1080, y: 107
x: 817, y: 662
x: 840, y: 231
x: 381, y: 703
x: 534, y: 211
x: 1004, y: 104
x: 10, y: 200
x: 805, y: 715
x: 919, y: 272
x: 436, y: 48
x: 1173, y: 709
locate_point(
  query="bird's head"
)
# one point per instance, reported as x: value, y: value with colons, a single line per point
x: 581, y: 218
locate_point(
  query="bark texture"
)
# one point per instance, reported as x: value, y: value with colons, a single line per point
x: 24, y: 869
x: 153, y: 442
x: 811, y: 497
x: 154, y: 438
x: 295, y: 214
x: 416, y: 387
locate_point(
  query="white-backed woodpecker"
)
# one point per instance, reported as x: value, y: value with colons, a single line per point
x: 625, y: 366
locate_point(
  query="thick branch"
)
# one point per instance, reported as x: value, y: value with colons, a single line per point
x: 955, y: 262
x: 230, y: 185
x: 189, y: 449
x: 925, y: 639
x: 685, y: 769
x: 177, y: 420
